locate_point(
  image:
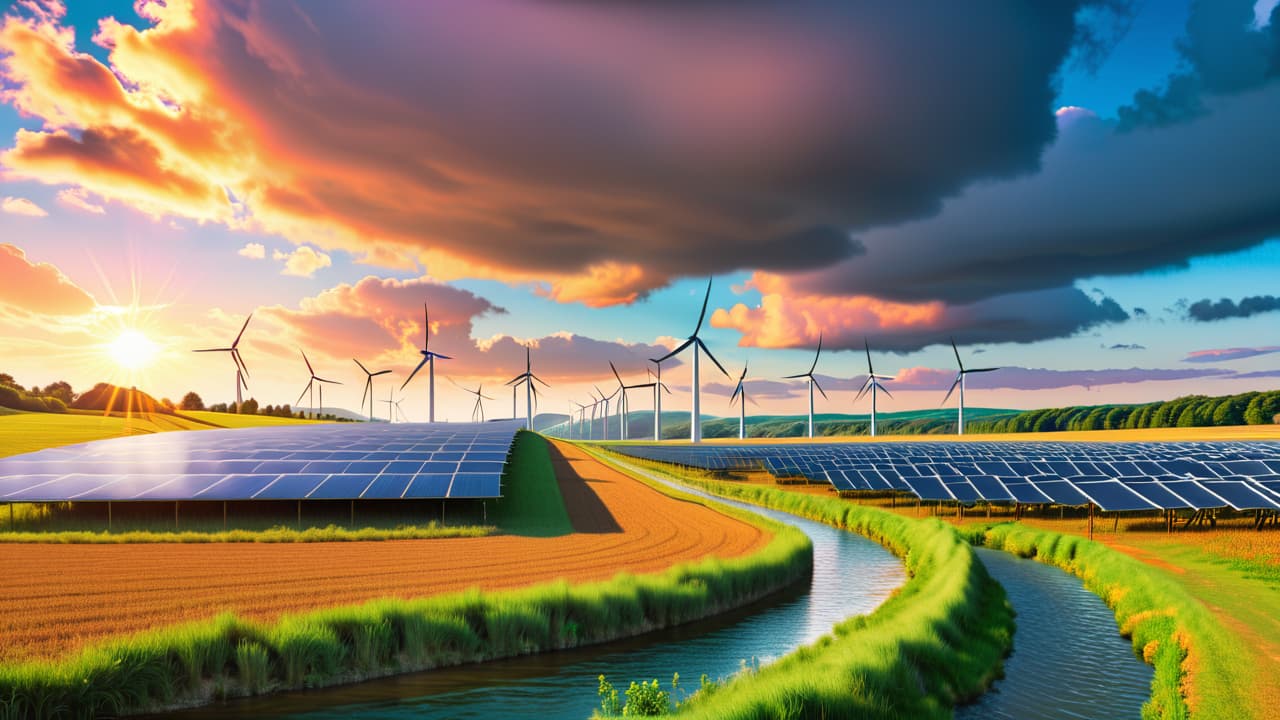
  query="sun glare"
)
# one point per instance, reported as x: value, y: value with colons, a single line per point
x: 132, y: 350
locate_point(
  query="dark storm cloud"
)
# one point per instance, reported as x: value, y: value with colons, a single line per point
x: 1105, y: 203
x: 1222, y: 53
x: 1207, y: 310
x: 544, y: 140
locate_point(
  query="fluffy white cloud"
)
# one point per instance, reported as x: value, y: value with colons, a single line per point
x: 253, y: 251
x: 302, y: 262
x: 21, y: 206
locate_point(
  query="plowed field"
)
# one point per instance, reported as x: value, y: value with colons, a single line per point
x: 56, y: 598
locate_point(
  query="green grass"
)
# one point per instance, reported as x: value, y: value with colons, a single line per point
x: 231, y: 420
x: 330, y: 533
x: 27, y: 432
x: 937, y: 641
x: 230, y: 656
x: 1169, y: 628
x: 531, y: 504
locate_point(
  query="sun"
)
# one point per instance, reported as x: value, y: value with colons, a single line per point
x: 132, y: 350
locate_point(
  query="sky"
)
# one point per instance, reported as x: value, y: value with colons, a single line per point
x: 1081, y: 193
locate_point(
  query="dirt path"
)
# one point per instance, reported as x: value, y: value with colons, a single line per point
x: 55, y: 598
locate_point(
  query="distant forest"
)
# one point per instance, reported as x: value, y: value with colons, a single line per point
x: 58, y: 397
x: 1251, y: 408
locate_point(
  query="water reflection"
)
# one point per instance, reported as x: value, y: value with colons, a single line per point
x: 1068, y: 659
x: 852, y: 576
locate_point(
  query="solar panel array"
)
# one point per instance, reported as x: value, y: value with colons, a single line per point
x: 1113, y: 476
x: 307, y: 462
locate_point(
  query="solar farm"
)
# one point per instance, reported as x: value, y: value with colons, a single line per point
x: 1115, y: 477
x: 461, y: 461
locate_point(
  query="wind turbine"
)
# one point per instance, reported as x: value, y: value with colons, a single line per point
x: 242, y: 371
x: 813, y: 382
x: 311, y: 385
x: 960, y: 381
x: 655, y: 381
x: 873, y: 384
x: 400, y: 411
x: 582, y: 417
x: 605, y: 415
x: 695, y: 414
x: 478, y: 410
x: 428, y: 359
x: 527, y: 377
x: 595, y: 404
x: 742, y: 409
x: 368, y: 386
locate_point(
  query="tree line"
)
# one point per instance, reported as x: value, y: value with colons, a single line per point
x: 1251, y: 408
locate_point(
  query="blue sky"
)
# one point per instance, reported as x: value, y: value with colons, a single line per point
x: 596, y: 206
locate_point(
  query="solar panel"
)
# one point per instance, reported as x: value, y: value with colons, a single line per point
x: 331, y: 461
x: 1114, y: 476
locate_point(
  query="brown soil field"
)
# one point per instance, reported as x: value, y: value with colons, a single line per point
x: 57, y: 598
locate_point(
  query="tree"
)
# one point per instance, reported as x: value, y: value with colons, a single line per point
x: 1263, y: 408
x: 7, y: 380
x: 249, y: 407
x: 61, y: 390
x: 191, y: 401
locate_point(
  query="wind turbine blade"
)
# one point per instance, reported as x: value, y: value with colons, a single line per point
x: 953, y: 389
x: 884, y: 390
x: 235, y: 354
x: 794, y: 377
x: 664, y: 387
x: 743, y: 375
x: 713, y: 358
x: 362, y: 367
x: 331, y: 382
x: 736, y: 392
x: 528, y: 361
x: 517, y: 379
x: 304, y: 392
x: 675, y: 352
x: 242, y: 327
x: 957, y: 352
x: 308, y: 362
x: 415, y: 372
x: 865, y: 386
x: 751, y: 400
x: 816, y: 355
x: 535, y: 377
x: 867, y: 346
x: 442, y: 357
x: 381, y: 372
x: 426, y: 328
x: 982, y: 370
x: 242, y: 382
x: 824, y: 392
x: 486, y: 397
x: 615, y: 372
x: 703, y: 314
x: 368, y: 391
x: 887, y: 377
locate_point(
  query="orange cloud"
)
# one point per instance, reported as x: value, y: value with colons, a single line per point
x: 78, y: 198
x: 39, y: 287
x: 302, y: 262
x: 789, y: 318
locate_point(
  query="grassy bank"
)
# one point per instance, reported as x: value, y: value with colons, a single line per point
x: 1198, y: 664
x: 938, y: 641
x: 331, y: 533
x: 533, y: 506
x: 229, y: 656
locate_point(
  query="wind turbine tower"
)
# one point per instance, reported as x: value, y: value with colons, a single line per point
x: 960, y: 378
x: 695, y: 414
x: 428, y: 359
x: 242, y: 371
x: 368, y: 386
x: 872, y: 384
x: 310, y: 388
x: 813, y: 382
